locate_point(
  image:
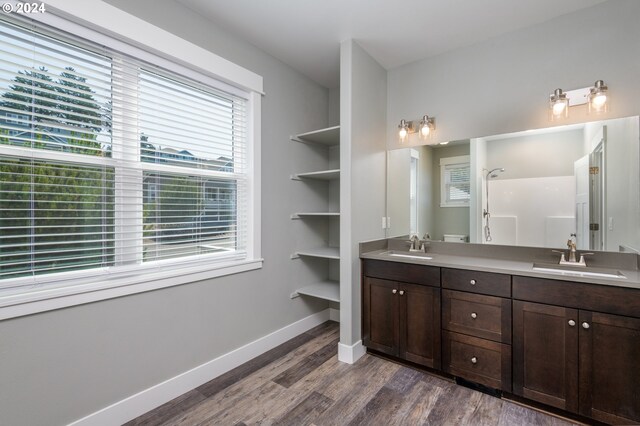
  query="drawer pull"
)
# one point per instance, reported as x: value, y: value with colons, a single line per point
x: 474, y: 360
x: 572, y: 323
x: 472, y: 282
x: 474, y: 315
x: 585, y: 325
x: 394, y: 291
x: 401, y: 292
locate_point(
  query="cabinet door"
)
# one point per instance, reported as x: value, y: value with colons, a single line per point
x: 609, y: 367
x: 420, y: 324
x: 380, y: 313
x: 545, y: 354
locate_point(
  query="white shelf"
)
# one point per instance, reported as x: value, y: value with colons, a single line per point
x: 321, y: 175
x: 302, y: 215
x: 328, y: 137
x: 327, y: 290
x: 322, y: 252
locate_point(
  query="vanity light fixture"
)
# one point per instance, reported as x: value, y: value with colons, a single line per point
x: 558, y: 105
x: 427, y: 126
x: 598, y: 98
x: 404, y: 128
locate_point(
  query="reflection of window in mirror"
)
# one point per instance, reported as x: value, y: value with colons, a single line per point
x: 455, y: 187
x: 413, y: 193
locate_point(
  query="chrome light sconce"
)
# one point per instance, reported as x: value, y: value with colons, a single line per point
x: 558, y: 105
x: 597, y: 98
x: 404, y: 129
x: 425, y: 128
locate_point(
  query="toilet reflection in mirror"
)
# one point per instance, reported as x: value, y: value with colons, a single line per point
x: 580, y: 179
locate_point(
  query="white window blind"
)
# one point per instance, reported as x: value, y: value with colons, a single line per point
x: 455, y: 181
x: 108, y: 163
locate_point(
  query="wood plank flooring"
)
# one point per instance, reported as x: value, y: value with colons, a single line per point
x: 301, y: 382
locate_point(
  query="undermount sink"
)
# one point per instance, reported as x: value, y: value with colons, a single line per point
x: 409, y: 255
x: 578, y: 271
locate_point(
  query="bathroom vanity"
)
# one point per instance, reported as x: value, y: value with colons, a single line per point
x: 566, y: 339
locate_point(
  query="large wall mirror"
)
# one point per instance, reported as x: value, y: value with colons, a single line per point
x: 533, y: 188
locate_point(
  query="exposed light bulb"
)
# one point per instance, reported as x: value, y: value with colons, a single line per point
x: 558, y: 108
x: 599, y: 100
x: 558, y: 105
x: 427, y: 126
x: 403, y: 130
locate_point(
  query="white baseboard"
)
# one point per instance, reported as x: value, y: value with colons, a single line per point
x: 334, y: 314
x: 351, y: 354
x: 138, y: 404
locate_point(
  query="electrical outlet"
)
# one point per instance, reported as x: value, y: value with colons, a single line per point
x: 611, y: 223
x: 384, y: 222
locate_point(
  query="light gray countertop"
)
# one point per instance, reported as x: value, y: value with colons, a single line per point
x: 505, y: 266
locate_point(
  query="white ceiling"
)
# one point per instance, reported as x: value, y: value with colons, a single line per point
x: 306, y: 33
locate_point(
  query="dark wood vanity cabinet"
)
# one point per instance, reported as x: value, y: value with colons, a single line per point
x: 545, y: 354
x: 569, y: 345
x: 402, y: 319
x: 577, y: 359
x: 476, y: 324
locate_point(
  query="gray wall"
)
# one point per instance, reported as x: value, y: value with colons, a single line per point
x: 502, y: 85
x: 545, y: 155
x: 363, y: 100
x: 398, y: 181
x: 59, y: 366
x: 447, y: 220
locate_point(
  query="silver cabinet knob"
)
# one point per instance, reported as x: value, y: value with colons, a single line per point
x: 474, y: 315
x: 394, y: 291
x: 572, y: 323
x: 472, y: 282
x: 585, y: 325
x: 474, y: 360
x: 401, y: 292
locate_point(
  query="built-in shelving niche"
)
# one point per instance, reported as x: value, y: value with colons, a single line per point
x: 323, y: 224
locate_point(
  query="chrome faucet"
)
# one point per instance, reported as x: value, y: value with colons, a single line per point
x: 418, y: 244
x: 571, y: 245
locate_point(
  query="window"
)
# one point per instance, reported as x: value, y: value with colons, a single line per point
x: 110, y: 164
x: 455, y: 187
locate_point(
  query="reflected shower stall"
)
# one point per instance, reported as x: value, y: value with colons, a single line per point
x: 491, y: 174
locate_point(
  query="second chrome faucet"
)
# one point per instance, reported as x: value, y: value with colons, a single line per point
x: 418, y: 244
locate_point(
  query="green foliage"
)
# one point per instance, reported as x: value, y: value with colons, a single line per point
x: 179, y: 197
x: 54, y: 215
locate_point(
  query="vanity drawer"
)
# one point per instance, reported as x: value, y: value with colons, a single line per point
x: 477, y: 360
x: 404, y: 272
x: 477, y: 282
x: 488, y: 317
x: 594, y: 297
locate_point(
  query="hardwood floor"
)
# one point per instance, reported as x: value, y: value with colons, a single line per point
x: 301, y: 382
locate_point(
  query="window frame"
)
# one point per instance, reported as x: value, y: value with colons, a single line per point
x: 449, y: 161
x: 112, y: 27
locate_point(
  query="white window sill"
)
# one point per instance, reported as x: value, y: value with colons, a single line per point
x: 46, y: 299
x: 454, y: 205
